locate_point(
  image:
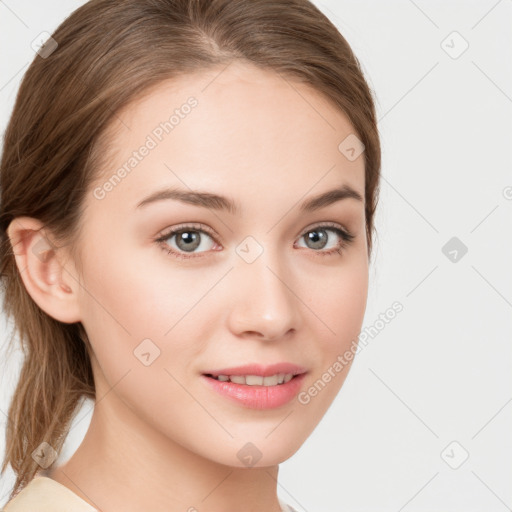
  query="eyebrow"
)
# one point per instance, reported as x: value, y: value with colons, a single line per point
x: 218, y: 202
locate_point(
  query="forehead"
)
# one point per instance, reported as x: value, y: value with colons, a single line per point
x: 251, y: 130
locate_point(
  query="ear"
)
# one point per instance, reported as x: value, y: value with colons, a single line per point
x: 52, y: 286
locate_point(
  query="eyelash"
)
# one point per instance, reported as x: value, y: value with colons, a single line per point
x: 346, y: 238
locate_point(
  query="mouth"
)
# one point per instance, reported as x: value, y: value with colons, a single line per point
x: 257, y: 387
x: 255, y: 380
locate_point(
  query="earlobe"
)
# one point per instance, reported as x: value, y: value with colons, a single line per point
x: 41, y: 265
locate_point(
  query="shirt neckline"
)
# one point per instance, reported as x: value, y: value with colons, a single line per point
x: 71, y: 494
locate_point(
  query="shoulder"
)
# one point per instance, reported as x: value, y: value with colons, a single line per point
x: 46, y: 495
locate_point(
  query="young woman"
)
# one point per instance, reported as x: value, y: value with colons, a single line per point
x: 188, y: 190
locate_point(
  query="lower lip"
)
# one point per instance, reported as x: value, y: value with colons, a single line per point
x: 257, y: 397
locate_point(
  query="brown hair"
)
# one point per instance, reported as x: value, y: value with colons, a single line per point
x: 109, y: 52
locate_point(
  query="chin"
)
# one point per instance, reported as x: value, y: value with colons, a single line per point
x: 256, y: 451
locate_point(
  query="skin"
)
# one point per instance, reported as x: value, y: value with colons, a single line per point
x: 159, y: 439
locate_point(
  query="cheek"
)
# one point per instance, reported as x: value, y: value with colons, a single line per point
x: 126, y: 302
x: 140, y: 333
x: 340, y: 304
x: 351, y: 306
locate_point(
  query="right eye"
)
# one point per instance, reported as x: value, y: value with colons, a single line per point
x: 188, y: 238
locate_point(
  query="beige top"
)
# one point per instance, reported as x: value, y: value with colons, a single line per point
x: 43, y: 494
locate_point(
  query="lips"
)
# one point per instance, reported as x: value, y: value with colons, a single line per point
x: 257, y: 386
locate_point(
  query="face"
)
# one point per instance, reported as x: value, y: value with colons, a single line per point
x: 177, y: 289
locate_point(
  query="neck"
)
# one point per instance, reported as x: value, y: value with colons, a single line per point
x: 124, y: 464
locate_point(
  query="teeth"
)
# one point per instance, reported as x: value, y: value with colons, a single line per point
x: 254, y: 380
x: 270, y: 380
x: 257, y: 380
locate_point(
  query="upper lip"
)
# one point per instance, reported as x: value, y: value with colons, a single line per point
x: 258, y: 369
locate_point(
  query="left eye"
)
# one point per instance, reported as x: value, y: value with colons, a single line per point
x: 318, y: 238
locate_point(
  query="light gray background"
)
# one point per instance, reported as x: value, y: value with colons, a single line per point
x: 441, y: 370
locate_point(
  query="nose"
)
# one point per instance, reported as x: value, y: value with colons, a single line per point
x: 263, y: 302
